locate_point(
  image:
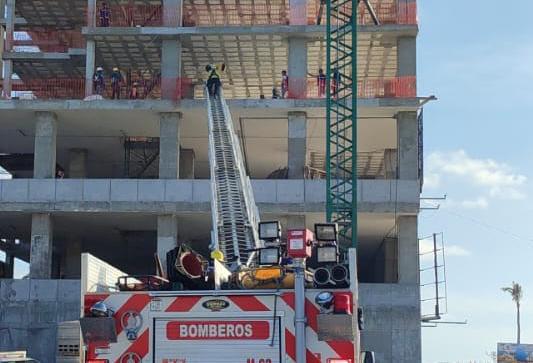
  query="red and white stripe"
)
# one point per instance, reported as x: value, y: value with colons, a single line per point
x: 317, y: 351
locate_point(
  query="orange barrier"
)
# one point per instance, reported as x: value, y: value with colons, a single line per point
x: 208, y: 14
x: 398, y: 87
x: 131, y: 16
x: 51, y: 88
x: 49, y: 41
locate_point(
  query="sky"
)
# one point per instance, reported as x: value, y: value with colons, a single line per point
x: 476, y: 57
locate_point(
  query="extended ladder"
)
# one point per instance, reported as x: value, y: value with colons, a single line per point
x: 234, y: 213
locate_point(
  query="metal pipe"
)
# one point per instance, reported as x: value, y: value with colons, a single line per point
x: 299, y: 309
x: 437, y: 312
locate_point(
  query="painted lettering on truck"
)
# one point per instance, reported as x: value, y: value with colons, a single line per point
x: 219, y: 330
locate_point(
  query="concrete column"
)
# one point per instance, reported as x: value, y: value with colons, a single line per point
x: 390, y: 260
x: 406, y: 56
x: 298, y: 12
x: 45, y: 145
x: 91, y: 13
x: 297, y: 144
x: 294, y: 222
x: 187, y: 158
x: 41, y: 246
x: 408, y: 254
x: 171, y: 69
x: 167, y: 236
x: 8, y: 64
x: 297, y: 68
x: 407, y: 125
x: 89, y: 66
x: 77, y: 163
x: 172, y: 13
x: 169, y: 145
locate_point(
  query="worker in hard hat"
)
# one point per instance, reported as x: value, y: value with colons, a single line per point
x: 98, y: 81
x: 116, y: 82
x: 105, y: 15
x: 213, y: 79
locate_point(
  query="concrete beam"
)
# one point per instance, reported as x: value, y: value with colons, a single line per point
x: 45, y: 145
x: 408, y: 252
x: 297, y: 68
x: 285, y: 197
x: 167, y: 236
x: 301, y: 31
x: 171, y: 69
x: 407, y: 126
x: 297, y: 144
x: 41, y: 246
x: 169, y: 145
x: 77, y: 164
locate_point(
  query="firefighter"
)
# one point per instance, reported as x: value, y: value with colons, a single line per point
x: 213, y: 79
x: 98, y: 81
x: 116, y: 82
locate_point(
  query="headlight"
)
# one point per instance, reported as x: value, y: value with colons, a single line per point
x: 269, y: 231
x: 326, y: 254
x: 324, y: 299
x: 269, y: 256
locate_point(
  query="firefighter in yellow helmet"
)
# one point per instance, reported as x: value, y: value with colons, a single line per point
x: 213, y: 80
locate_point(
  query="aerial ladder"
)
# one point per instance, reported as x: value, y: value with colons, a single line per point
x: 234, y: 213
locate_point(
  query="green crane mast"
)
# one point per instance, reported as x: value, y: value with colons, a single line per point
x: 341, y: 144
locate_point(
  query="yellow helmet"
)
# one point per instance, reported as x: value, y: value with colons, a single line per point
x: 217, y: 255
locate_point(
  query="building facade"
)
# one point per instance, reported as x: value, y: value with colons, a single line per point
x: 117, y: 166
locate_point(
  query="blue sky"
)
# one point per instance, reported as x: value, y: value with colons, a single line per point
x: 476, y: 57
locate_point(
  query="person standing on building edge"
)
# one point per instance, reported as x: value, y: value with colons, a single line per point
x: 284, y: 84
x: 116, y: 82
x: 321, y: 83
x: 335, y: 82
x: 105, y: 15
x: 99, y: 82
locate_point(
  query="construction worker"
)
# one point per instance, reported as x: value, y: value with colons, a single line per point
x: 105, y: 15
x: 213, y: 80
x: 98, y: 81
x: 116, y: 82
x: 134, y: 91
x: 335, y: 82
x: 321, y: 83
x: 284, y: 84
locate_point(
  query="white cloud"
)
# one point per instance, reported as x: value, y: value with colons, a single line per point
x: 479, y: 203
x: 431, y: 180
x: 499, y: 180
x: 426, y: 246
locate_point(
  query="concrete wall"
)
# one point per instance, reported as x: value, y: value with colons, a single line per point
x: 171, y: 196
x: 392, y: 322
x: 30, y: 311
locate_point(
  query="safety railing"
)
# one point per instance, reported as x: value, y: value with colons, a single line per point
x: 389, y: 12
x: 132, y: 87
x: 48, y: 41
x: 397, y: 87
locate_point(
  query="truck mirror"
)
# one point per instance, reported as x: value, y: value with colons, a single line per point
x: 368, y: 357
x: 360, y: 319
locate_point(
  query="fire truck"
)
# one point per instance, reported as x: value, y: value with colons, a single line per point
x: 258, y: 298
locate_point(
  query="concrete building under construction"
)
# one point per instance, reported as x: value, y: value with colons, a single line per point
x: 121, y: 169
